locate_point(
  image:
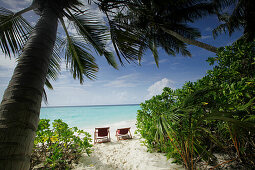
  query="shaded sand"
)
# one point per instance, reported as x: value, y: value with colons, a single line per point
x: 125, y: 155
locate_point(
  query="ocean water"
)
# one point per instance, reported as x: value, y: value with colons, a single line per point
x: 89, y: 117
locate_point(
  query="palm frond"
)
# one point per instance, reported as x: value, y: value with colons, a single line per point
x: 222, y: 4
x: 154, y: 50
x: 48, y: 85
x: 228, y: 117
x: 126, y: 42
x: 247, y: 105
x: 44, y: 97
x: 195, y: 98
x: 54, y: 67
x: 14, y: 31
x: 79, y: 60
x: 94, y: 32
x: 55, y: 60
x: 140, y: 37
x: 250, y: 118
x: 219, y: 29
x: 160, y: 134
x: 191, y: 12
x: 240, y: 17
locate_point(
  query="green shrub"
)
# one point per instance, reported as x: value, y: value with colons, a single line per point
x: 59, y: 147
x: 214, y: 114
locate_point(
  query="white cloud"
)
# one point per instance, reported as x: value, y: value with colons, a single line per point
x: 129, y: 80
x: 119, y: 83
x: 163, y: 61
x: 6, y: 66
x: 159, y: 61
x: 205, y: 37
x: 129, y: 76
x: 6, y: 62
x: 71, y: 30
x: 208, y: 29
x: 157, y: 87
x: 6, y: 70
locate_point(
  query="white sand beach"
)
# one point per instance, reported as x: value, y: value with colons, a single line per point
x: 125, y: 155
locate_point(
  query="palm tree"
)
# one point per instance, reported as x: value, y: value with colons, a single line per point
x: 162, y: 22
x: 241, y: 16
x: 38, y: 62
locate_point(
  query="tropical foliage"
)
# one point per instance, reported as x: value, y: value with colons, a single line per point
x: 216, y: 114
x: 58, y: 147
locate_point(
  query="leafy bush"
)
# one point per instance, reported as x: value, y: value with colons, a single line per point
x: 214, y: 114
x: 59, y: 147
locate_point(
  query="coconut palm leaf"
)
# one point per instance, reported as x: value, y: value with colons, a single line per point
x: 247, y: 105
x: 186, y: 139
x: 81, y: 62
x: 55, y: 60
x: 156, y: 19
x: 14, y: 31
x: 154, y: 50
x: 93, y: 32
x: 126, y: 42
x: 140, y: 38
x: 195, y: 98
x: 250, y: 118
x: 228, y: 117
x: 160, y: 133
x: 54, y: 68
x: 242, y: 16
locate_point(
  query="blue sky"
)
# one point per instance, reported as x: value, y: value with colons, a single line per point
x: 131, y: 83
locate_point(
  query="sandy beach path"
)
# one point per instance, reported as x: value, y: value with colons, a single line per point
x: 125, y: 155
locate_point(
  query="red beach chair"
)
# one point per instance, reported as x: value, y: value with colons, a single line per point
x: 123, y: 134
x: 102, y: 135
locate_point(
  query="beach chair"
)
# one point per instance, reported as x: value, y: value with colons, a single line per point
x: 102, y: 135
x: 123, y: 134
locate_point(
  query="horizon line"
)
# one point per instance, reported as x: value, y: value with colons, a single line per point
x: 90, y: 105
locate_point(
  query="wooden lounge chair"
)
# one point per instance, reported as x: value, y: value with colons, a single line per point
x: 102, y: 135
x: 123, y: 134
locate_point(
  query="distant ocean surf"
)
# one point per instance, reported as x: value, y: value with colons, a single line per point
x: 87, y: 117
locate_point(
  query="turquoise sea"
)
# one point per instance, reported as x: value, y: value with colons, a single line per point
x: 86, y: 117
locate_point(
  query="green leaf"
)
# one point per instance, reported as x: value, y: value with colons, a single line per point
x: 78, y: 57
x: 244, y: 107
x: 94, y: 33
x: 14, y: 32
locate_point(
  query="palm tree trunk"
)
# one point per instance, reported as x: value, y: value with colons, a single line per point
x: 190, y: 41
x: 20, y: 107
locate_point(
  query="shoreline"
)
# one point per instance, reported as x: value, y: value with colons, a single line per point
x: 92, y: 105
